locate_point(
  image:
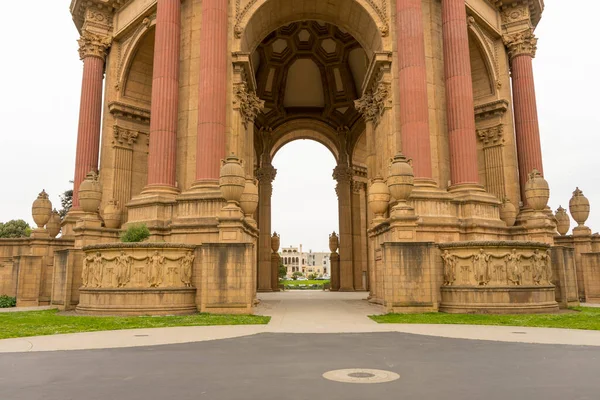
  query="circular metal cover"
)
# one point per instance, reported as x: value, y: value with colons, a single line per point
x: 361, y: 375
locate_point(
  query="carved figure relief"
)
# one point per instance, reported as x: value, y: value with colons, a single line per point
x: 185, y: 265
x: 519, y: 267
x: 123, y: 264
x: 127, y: 271
x: 513, y: 269
x: 155, y: 269
x: 481, y: 267
x: 449, y: 268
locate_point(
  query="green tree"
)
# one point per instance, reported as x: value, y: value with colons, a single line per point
x: 312, y: 277
x: 16, y: 228
x: 296, y: 275
x: 282, y: 272
x: 66, y: 201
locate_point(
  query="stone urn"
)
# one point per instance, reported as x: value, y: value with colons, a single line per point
x: 537, y: 191
x: 379, y: 197
x: 579, y: 206
x: 334, y: 242
x: 112, y: 215
x: 90, y: 193
x: 232, y: 179
x: 508, y: 212
x: 53, y: 224
x: 41, y: 210
x: 275, y: 242
x: 249, y: 199
x: 563, y: 222
x: 401, y: 179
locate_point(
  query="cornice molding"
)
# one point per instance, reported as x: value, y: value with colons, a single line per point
x: 489, y: 110
x: 126, y: 111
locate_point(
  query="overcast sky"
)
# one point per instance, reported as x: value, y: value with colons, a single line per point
x: 40, y: 82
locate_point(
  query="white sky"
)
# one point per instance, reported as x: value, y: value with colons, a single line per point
x: 40, y: 81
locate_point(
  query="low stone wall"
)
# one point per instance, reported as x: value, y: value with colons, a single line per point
x: 138, y: 279
x: 591, y: 268
x: 497, y: 277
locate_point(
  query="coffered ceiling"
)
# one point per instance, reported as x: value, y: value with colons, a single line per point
x: 309, y: 69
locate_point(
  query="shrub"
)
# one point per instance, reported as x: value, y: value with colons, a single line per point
x: 7, y: 301
x: 135, y: 234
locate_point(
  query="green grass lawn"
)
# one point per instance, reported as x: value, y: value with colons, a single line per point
x: 38, y: 323
x: 309, y: 282
x: 583, y: 318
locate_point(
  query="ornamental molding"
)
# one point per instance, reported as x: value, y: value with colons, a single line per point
x: 247, y: 103
x: 521, y: 43
x: 129, y: 112
x: 93, y: 45
x: 534, y: 8
x: 490, y: 110
x: 343, y: 174
x: 490, y: 47
x: 126, y: 45
x: 125, y: 138
x: 493, y: 136
x: 372, y: 105
x: 377, y: 7
x: 79, y: 8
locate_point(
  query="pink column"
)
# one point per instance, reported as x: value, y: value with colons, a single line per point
x: 212, y: 103
x: 412, y: 76
x: 162, y: 156
x: 93, y: 53
x: 459, y: 94
x: 527, y: 129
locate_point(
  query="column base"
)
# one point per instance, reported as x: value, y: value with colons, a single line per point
x: 153, y: 207
x: 536, y: 226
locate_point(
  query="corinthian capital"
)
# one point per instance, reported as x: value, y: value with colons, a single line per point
x: 521, y: 43
x: 248, y: 103
x: 266, y: 174
x: 93, y: 45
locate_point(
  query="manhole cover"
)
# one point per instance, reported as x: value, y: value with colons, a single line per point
x: 361, y: 375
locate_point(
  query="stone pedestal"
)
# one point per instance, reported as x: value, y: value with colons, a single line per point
x: 409, y: 277
x: 335, y: 272
x: 275, y: 262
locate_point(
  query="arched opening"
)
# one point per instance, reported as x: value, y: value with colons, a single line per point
x: 309, y: 73
x: 305, y: 207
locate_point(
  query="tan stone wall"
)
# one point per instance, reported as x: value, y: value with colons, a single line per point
x: 591, y: 267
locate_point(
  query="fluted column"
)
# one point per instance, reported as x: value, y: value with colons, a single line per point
x: 521, y: 49
x: 212, y: 102
x: 92, y: 50
x: 265, y: 175
x: 412, y: 77
x: 343, y: 175
x: 162, y: 157
x: 459, y: 94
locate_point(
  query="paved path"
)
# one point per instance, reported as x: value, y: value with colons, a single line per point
x: 21, y: 309
x: 275, y: 366
x: 299, y: 312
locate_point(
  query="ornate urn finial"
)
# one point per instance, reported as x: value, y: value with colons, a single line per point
x: 579, y: 206
x: 334, y: 242
x: 41, y: 210
x: 563, y: 222
x: 537, y: 191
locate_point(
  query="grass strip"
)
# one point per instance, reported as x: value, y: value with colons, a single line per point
x: 50, y: 322
x: 584, y: 318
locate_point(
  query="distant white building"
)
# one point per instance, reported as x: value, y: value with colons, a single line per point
x: 295, y: 260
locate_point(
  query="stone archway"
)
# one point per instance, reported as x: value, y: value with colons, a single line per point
x: 307, y: 63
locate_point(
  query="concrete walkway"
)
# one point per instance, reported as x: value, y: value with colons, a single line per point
x: 299, y: 312
x: 21, y: 309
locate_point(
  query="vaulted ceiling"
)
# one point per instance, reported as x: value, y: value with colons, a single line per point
x: 309, y: 69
